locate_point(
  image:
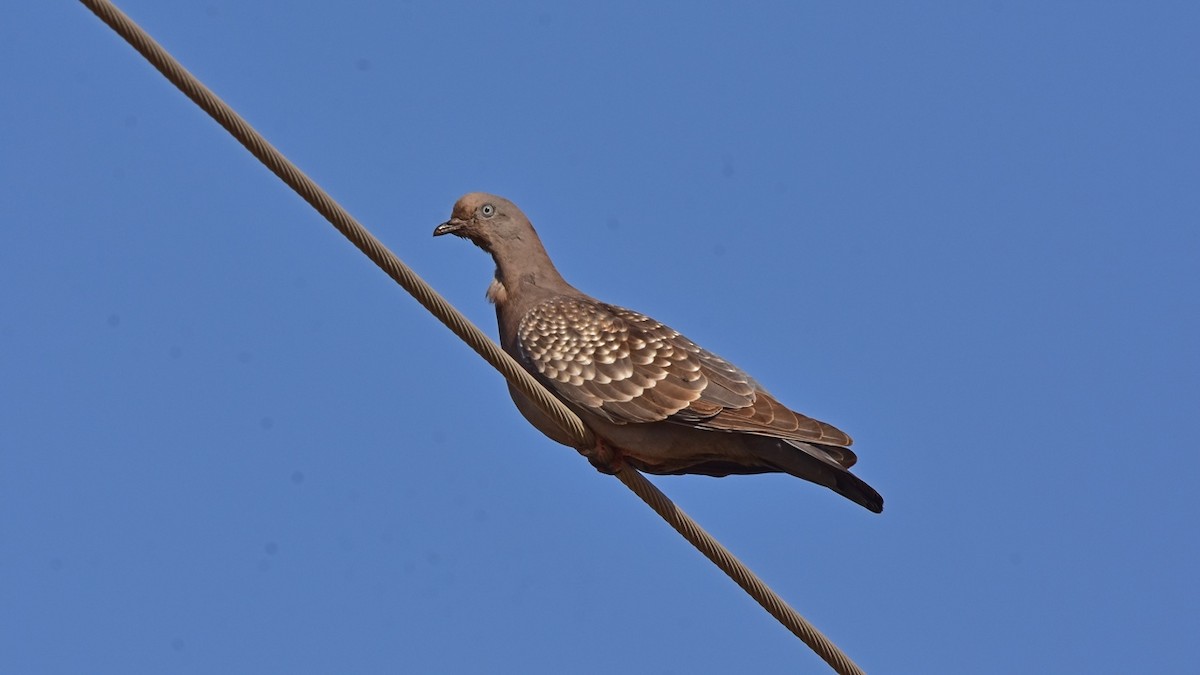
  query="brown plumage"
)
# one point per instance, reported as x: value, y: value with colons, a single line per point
x: 653, y: 397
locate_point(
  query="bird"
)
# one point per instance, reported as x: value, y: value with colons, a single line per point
x: 655, y: 400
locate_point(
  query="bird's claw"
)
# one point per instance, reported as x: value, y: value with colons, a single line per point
x: 604, y: 457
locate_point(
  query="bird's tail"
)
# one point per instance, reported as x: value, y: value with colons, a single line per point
x: 819, y: 465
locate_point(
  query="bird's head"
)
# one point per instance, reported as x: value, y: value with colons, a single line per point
x: 485, y: 219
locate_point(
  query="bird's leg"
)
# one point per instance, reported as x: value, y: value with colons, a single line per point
x: 606, y: 458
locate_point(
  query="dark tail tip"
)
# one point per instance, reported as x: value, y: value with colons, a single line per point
x: 856, y: 490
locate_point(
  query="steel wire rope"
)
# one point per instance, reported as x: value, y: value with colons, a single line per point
x: 463, y: 328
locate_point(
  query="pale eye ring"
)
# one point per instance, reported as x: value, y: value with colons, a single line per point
x: 487, y: 210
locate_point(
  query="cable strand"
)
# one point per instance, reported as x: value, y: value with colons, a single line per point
x: 463, y: 328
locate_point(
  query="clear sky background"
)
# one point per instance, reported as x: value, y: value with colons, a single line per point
x: 966, y: 233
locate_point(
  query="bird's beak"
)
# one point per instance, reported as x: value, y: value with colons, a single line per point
x: 449, y: 227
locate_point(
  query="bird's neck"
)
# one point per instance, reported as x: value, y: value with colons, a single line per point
x: 525, y: 277
x: 524, y: 269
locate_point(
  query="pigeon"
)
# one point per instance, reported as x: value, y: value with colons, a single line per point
x: 655, y: 400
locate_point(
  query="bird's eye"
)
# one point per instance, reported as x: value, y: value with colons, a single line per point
x: 487, y: 210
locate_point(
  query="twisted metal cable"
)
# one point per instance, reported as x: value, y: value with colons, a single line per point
x: 462, y: 327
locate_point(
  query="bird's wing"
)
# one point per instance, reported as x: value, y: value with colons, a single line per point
x: 630, y: 368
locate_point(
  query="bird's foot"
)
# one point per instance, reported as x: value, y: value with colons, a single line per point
x: 604, y: 457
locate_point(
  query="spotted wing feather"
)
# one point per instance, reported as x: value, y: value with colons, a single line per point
x: 630, y: 368
x: 627, y: 371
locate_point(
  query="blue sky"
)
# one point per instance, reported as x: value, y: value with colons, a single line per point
x: 966, y: 233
